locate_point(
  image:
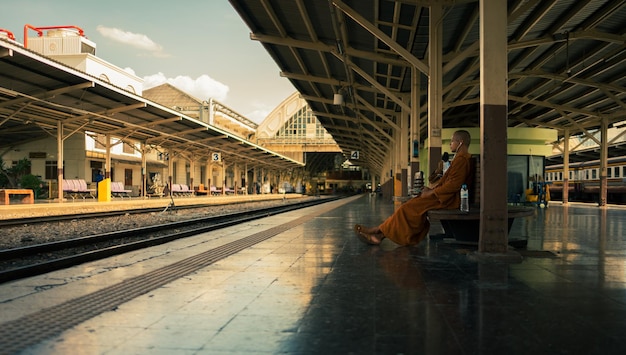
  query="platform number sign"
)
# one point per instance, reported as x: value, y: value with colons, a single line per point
x: 216, y: 157
x: 354, y: 155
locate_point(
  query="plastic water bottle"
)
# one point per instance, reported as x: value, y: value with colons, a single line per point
x: 464, y: 199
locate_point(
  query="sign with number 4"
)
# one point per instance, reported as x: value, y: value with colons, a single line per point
x: 354, y: 155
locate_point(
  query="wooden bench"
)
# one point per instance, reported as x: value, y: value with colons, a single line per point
x: 201, y: 190
x: 5, y: 195
x: 465, y: 226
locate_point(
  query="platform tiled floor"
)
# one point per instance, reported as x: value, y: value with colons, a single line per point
x: 315, y: 289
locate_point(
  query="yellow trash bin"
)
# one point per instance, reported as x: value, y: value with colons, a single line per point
x: 104, y: 190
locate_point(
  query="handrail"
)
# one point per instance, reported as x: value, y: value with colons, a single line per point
x: 9, y: 33
x: 40, y: 30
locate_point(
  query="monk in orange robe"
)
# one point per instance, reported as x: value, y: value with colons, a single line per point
x: 408, y: 225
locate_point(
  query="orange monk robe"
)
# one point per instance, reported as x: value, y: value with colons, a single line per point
x: 408, y: 225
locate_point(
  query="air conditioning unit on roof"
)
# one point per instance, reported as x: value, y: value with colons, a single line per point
x: 61, y: 41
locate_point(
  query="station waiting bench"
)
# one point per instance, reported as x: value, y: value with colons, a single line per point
x: 201, y: 190
x: 27, y: 195
x: 215, y: 191
x: 119, y: 190
x: 465, y: 226
x: 75, y: 188
x: 181, y: 190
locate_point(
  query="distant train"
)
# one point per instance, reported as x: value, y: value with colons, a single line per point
x: 584, y: 181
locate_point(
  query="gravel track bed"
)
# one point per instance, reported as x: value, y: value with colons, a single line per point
x: 13, y: 237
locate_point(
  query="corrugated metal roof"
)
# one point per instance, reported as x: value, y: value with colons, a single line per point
x: 566, y: 62
x: 36, y: 93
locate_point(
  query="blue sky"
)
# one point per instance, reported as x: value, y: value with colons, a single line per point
x: 201, y: 46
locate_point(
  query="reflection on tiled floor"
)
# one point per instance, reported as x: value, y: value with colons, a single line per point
x: 316, y: 289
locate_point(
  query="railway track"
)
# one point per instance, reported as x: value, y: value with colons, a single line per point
x: 92, y: 215
x: 22, y: 262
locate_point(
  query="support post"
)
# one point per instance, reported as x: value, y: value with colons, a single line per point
x: 415, y: 122
x: 565, y: 194
x: 604, y: 152
x: 493, y: 127
x: 60, y: 158
x: 435, y: 85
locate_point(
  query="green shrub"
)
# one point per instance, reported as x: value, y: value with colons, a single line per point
x: 32, y: 182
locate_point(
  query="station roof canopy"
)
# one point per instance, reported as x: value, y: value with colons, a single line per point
x: 36, y: 93
x: 589, y: 154
x: 565, y: 62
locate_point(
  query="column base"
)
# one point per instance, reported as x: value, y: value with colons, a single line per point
x: 509, y: 257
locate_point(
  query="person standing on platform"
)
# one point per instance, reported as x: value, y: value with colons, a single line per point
x: 409, y: 225
x: 99, y: 177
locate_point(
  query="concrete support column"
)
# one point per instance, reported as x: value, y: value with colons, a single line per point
x: 244, y: 182
x: 223, y: 177
x: 566, y: 167
x: 493, y: 127
x: 236, y: 177
x: 604, y: 153
x: 415, y: 123
x: 404, y: 152
x: 107, y: 159
x: 60, y: 160
x: 170, y: 171
x: 144, y: 165
x: 435, y: 86
x: 396, y: 164
x: 211, y: 180
x: 192, y: 171
x: 255, y: 180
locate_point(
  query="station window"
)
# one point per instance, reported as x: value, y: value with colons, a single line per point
x: 617, y: 171
x: 560, y: 175
x: 609, y: 172
x: 594, y: 174
x: 51, y: 170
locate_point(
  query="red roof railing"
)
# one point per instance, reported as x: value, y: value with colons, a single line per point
x: 9, y: 33
x: 40, y: 30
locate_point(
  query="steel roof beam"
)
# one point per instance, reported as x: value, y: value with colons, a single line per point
x: 376, y: 32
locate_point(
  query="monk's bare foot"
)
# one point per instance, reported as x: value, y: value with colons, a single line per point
x: 358, y: 228
x: 369, y: 236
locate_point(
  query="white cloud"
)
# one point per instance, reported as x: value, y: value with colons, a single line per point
x: 258, y: 115
x: 203, y: 87
x: 137, y: 40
